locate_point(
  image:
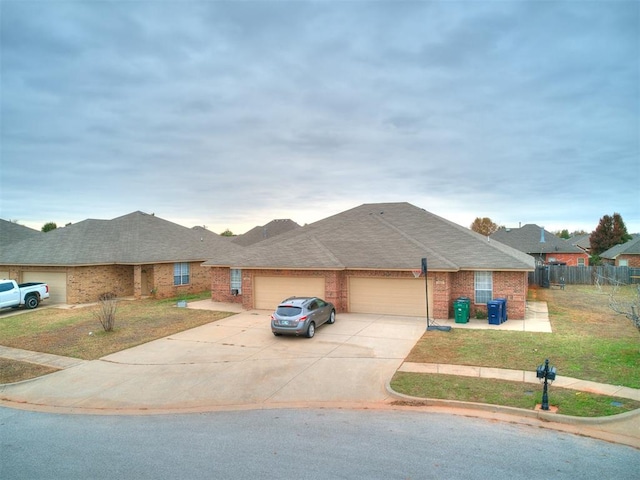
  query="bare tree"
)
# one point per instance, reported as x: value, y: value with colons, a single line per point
x: 106, y: 312
x: 629, y: 307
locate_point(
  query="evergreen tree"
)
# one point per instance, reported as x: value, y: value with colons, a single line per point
x: 47, y: 227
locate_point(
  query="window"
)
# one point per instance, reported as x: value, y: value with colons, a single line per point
x: 180, y: 273
x: 623, y: 263
x: 483, y: 286
x: 236, y: 281
x: 581, y: 261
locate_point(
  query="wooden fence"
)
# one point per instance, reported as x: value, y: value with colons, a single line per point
x: 602, y: 275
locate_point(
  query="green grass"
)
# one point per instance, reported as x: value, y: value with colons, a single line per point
x: 506, y: 393
x: 589, y: 342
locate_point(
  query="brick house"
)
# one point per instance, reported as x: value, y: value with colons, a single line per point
x: 624, y: 255
x: 133, y: 255
x: 545, y: 247
x: 365, y: 260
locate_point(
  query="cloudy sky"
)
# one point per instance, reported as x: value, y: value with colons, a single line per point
x: 232, y: 113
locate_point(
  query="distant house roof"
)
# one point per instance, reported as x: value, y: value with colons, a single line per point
x: 136, y: 238
x: 581, y: 241
x: 632, y: 247
x: 383, y: 236
x: 11, y: 232
x: 533, y: 239
x: 271, y: 229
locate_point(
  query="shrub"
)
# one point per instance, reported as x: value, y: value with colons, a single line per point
x: 106, y: 312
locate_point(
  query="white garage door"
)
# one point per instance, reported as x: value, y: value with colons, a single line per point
x: 270, y: 291
x: 4, y: 274
x: 390, y: 296
x: 57, y: 284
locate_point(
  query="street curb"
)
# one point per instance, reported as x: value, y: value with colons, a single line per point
x: 488, y: 407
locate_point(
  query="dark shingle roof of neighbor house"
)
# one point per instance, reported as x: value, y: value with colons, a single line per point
x: 135, y: 238
x: 11, y: 232
x: 271, y: 229
x: 529, y: 239
x: 581, y: 241
x: 384, y: 236
x: 631, y: 247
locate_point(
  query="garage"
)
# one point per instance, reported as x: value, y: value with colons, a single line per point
x: 4, y: 274
x: 57, y: 284
x: 270, y: 291
x: 390, y: 296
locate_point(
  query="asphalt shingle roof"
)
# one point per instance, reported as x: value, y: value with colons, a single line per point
x: 12, y: 232
x: 528, y: 239
x: 135, y: 238
x: 271, y: 229
x: 630, y: 247
x: 383, y: 236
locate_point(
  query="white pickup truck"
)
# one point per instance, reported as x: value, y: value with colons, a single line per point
x: 28, y: 294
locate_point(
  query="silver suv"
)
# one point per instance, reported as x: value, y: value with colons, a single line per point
x: 301, y: 316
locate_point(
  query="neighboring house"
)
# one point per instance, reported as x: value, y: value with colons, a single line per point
x: 365, y: 260
x: 624, y: 255
x: 11, y: 232
x: 133, y: 255
x: 543, y: 246
x: 583, y: 242
x: 271, y: 229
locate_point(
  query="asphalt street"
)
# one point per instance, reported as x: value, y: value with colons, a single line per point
x: 297, y: 444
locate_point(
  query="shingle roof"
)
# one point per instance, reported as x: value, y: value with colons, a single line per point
x: 528, y: 239
x: 271, y: 229
x: 631, y: 247
x: 12, y: 232
x: 384, y: 236
x: 581, y: 241
x: 135, y: 238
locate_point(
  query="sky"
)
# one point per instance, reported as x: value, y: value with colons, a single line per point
x: 229, y: 114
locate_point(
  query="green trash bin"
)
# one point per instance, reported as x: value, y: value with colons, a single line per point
x: 461, y: 307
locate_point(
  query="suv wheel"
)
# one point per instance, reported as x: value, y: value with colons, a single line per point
x: 311, y: 331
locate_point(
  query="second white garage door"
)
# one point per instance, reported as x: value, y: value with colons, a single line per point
x: 270, y: 291
x: 390, y: 296
x: 57, y: 284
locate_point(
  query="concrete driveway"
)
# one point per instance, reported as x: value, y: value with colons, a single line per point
x: 235, y: 362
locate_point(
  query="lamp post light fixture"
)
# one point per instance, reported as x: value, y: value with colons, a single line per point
x: 546, y: 375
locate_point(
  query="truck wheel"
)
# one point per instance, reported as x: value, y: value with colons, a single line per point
x: 31, y: 302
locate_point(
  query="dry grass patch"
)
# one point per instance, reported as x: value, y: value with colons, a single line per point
x: 77, y: 333
x: 12, y: 371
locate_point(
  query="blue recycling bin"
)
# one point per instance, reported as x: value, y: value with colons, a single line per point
x: 504, y: 317
x: 494, y: 312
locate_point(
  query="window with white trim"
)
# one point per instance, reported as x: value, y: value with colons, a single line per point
x: 623, y: 263
x: 236, y: 281
x: 181, y: 273
x: 483, y: 287
x: 581, y: 261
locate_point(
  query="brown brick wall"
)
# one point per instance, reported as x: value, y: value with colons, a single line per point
x: 162, y: 280
x: 447, y: 287
x: 633, y: 260
x: 571, y: 259
x: 86, y: 284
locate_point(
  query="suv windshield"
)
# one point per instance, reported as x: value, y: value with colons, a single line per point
x: 288, y: 311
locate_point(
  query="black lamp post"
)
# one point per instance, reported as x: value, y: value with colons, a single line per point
x: 546, y: 375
